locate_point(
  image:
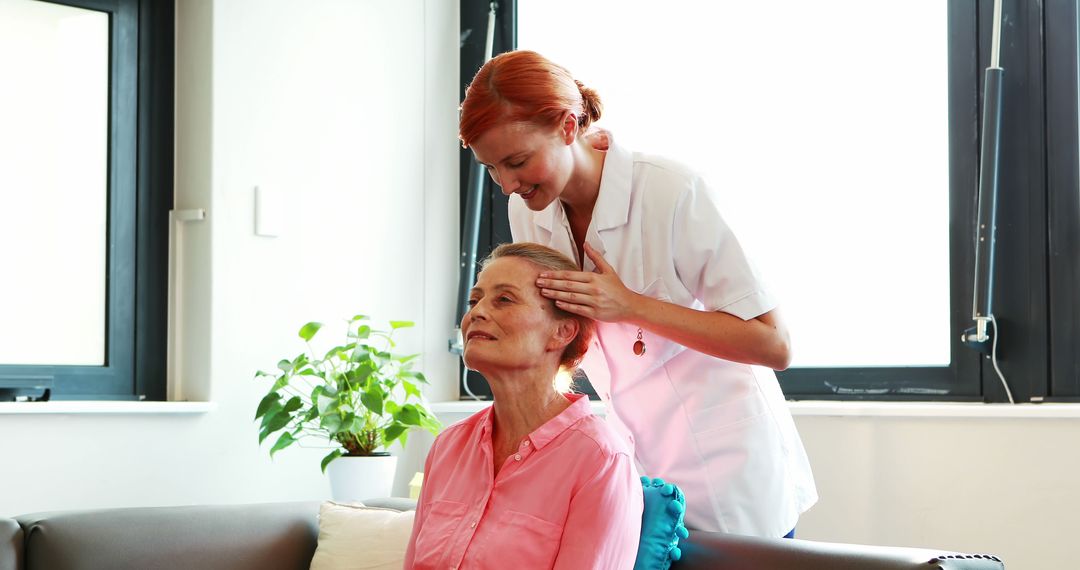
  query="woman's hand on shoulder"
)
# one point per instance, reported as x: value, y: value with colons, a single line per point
x: 600, y: 295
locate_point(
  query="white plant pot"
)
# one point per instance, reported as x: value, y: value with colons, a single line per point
x: 357, y: 478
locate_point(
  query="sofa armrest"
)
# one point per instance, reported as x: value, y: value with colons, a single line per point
x: 11, y: 545
x: 718, y: 551
x: 233, y: 537
x: 396, y: 503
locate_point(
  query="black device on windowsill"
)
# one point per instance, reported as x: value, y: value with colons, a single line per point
x: 25, y: 388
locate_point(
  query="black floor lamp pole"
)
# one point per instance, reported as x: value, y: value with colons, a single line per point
x: 985, y: 231
x: 474, y: 206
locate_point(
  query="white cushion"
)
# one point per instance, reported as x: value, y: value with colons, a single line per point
x: 355, y: 536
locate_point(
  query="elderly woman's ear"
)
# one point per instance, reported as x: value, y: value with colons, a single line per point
x: 566, y: 332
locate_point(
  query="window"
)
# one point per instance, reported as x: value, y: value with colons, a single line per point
x: 1063, y: 186
x: 843, y: 137
x: 86, y: 170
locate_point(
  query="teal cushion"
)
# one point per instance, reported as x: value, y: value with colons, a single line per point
x: 661, y: 525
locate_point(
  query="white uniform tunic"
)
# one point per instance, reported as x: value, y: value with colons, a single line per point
x: 720, y: 430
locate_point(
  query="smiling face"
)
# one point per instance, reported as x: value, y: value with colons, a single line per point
x: 526, y: 159
x: 510, y: 326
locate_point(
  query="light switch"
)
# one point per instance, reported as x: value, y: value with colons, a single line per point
x: 269, y: 213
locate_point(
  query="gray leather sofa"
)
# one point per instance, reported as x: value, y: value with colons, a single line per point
x: 283, y: 536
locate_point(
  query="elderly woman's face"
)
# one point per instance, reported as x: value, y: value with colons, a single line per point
x: 509, y: 324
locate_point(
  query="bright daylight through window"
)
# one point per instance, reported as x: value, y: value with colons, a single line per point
x: 55, y: 233
x: 841, y: 194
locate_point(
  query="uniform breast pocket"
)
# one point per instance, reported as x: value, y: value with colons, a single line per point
x: 440, y: 524
x: 670, y: 290
x: 729, y: 415
x: 657, y: 290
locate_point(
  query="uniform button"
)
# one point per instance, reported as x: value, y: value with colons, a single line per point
x: 517, y: 457
x: 524, y: 444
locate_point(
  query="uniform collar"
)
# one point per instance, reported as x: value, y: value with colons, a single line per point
x: 612, y: 207
x: 553, y: 428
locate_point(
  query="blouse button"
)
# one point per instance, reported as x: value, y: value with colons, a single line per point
x: 473, y: 525
x: 525, y: 444
x: 517, y: 457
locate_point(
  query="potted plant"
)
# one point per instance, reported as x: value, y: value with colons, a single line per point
x: 360, y: 397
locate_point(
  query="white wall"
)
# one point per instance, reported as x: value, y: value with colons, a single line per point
x: 1007, y: 486
x: 348, y: 109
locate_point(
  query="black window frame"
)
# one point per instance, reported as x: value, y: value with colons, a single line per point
x: 1063, y: 186
x: 1037, y: 266
x: 140, y: 195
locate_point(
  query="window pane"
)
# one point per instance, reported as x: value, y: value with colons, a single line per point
x: 53, y: 183
x: 824, y: 126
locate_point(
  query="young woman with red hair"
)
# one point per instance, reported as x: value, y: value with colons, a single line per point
x: 687, y: 334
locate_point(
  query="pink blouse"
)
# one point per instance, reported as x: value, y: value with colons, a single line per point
x: 569, y: 498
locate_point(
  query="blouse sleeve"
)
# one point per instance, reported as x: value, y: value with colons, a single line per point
x: 604, y: 522
x: 711, y: 262
x: 418, y: 517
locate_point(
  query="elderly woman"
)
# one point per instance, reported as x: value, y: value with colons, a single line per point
x: 535, y: 480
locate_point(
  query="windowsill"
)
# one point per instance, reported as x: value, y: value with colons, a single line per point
x: 829, y: 408
x: 104, y: 407
x: 933, y: 409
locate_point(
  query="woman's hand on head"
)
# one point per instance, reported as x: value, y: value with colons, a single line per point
x: 599, y: 295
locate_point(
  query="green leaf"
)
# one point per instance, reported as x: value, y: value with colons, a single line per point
x: 393, y: 432
x: 363, y: 331
x: 265, y: 403
x: 372, y: 398
x: 361, y: 354
x: 281, y: 382
x: 284, y: 365
x: 308, y: 331
x: 261, y: 373
x: 410, y: 389
x: 330, y: 457
x: 401, y: 324
x: 292, y: 405
x: 359, y: 318
x: 284, y: 441
x: 431, y: 424
x: 407, y: 358
x: 272, y: 410
x: 331, y: 423
x: 325, y: 403
x: 277, y: 421
x: 358, y: 376
x: 334, y: 353
x: 408, y: 415
x: 352, y: 424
